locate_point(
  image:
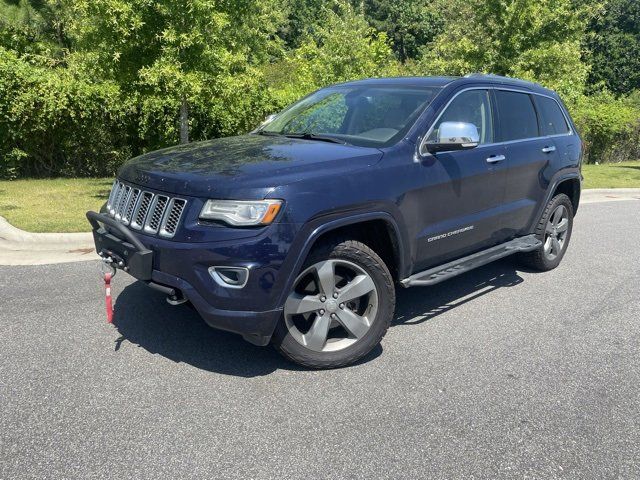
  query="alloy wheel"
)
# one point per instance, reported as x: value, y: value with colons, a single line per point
x: 556, y: 232
x: 332, y: 305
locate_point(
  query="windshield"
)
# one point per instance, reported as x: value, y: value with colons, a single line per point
x: 358, y: 115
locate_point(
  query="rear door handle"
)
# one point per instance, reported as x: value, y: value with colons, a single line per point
x: 548, y: 149
x: 496, y: 158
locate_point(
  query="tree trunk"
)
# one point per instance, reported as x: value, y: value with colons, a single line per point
x: 184, y: 121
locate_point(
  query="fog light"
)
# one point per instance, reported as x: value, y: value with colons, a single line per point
x: 230, y: 277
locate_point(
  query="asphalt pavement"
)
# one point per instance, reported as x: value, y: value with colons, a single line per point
x: 499, y: 373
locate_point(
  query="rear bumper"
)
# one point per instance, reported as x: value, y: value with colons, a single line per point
x: 249, y: 311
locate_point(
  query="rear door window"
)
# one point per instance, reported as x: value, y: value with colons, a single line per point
x: 516, y: 116
x: 551, y: 118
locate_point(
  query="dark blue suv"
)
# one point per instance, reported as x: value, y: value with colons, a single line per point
x: 297, y: 233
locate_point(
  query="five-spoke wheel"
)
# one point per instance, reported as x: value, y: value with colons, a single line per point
x: 339, y: 307
x: 556, y: 232
x: 331, y: 306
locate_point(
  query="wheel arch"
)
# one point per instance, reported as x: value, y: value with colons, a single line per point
x: 378, y: 230
x: 571, y: 188
x: 569, y: 184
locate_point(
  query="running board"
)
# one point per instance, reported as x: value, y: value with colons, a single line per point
x: 464, y: 264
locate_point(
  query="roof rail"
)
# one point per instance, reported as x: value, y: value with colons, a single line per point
x: 501, y: 77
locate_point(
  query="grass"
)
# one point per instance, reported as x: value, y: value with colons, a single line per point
x: 52, y: 205
x: 612, y: 175
x: 59, y: 205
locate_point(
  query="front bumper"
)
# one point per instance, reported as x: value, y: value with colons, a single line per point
x: 183, y: 267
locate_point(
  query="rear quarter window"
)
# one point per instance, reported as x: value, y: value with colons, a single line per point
x: 517, y: 118
x: 552, y: 119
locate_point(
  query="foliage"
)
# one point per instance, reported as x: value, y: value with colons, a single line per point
x: 342, y: 47
x: 301, y: 19
x: 173, y: 55
x: 34, y: 27
x: 536, y: 40
x: 84, y: 84
x: 54, y: 124
x: 609, y: 126
x: 614, y: 43
x: 409, y: 24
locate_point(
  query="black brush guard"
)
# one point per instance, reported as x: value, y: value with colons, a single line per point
x: 124, y: 250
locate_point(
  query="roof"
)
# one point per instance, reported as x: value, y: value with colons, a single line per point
x: 444, y: 81
x: 406, y: 81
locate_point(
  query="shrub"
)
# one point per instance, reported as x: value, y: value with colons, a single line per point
x: 609, y: 126
x: 54, y: 124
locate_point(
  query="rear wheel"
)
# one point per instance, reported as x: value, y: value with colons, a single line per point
x: 554, y: 230
x: 339, y: 308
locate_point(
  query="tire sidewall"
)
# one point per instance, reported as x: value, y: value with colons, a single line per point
x: 379, y: 273
x: 556, y: 201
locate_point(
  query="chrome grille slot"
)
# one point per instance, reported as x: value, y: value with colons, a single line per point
x: 155, y: 214
x: 131, y: 205
x: 116, y: 198
x: 171, y: 219
x: 114, y: 192
x: 122, y: 201
x: 143, y: 210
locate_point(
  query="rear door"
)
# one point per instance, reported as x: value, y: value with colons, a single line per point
x: 460, y: 202
x: 555, y: 125
x: 529, y: 155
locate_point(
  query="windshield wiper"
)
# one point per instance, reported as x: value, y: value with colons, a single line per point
x: 314, y: 136
x: 268, y: 133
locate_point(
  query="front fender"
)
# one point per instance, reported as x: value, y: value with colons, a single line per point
x: 314, y: 229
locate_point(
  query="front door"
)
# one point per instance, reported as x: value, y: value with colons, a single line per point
x: 461, y: 202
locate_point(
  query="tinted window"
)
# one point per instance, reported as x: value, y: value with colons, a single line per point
x: 552, y: 119
x: 325, y: 115
x: 517, y: 116
x: 472, y: 106
x: 360, y: 115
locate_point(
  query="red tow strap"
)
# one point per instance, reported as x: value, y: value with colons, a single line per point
x: 107, y: 296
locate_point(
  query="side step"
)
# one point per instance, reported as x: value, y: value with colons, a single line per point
x: 464, y: 264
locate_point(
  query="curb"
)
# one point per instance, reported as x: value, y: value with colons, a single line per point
x: 18, y: 247
x: 595, y: 195
x: 13, y: 234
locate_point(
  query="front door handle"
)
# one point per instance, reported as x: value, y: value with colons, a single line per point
x: 496, y: 158
x: 548, y: 149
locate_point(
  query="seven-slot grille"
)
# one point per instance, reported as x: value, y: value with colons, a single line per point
x: 146, y: 211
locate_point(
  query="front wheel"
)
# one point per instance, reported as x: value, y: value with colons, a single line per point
x: 339, y: 308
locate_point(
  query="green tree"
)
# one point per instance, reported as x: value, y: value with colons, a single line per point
x: 34, y: 27
x: 534, y: 39
x: 301, y: 18
x: 614, y: 43
x: 174, y: 55
x: 342, y: 47
x: 409, y: 24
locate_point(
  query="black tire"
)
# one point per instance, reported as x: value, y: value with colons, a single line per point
x: 360, y: 254
x: 540, y: 259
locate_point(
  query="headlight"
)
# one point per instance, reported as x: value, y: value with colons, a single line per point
x: 241, y: 213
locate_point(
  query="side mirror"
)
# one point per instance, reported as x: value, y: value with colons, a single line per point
x: 453, y: 136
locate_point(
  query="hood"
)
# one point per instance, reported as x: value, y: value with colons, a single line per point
x: 246, y: 166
